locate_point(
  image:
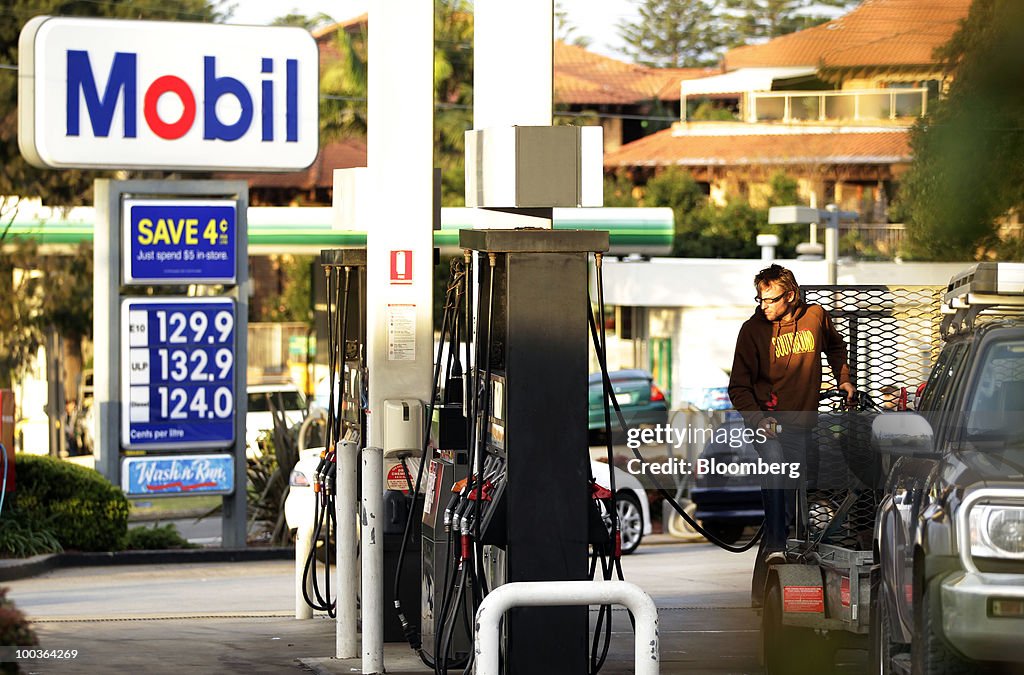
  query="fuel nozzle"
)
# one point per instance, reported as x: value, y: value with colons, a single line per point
x: 318, y: 474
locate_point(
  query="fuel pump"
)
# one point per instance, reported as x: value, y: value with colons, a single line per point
x: 508, y: 491
x: 447, y: 466
x: 343, y: 325
x: 529, y: 497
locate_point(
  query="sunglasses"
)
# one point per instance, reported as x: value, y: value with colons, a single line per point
x: 771, y: 301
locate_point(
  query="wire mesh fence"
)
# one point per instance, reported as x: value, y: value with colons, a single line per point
x: 893, y: 339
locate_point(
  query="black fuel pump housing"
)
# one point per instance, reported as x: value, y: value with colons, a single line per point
x: 534, y: 299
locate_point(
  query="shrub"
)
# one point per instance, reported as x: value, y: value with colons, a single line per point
x: 15, y: 630
x: 82, y: 509
x: 21, y: 539
x: 156, y: 538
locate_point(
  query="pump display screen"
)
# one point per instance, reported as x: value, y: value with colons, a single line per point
x: 178, y: 373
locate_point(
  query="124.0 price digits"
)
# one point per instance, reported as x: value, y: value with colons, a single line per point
x: 177, y: 403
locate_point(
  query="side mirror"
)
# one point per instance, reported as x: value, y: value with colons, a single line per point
x: 902, y: 434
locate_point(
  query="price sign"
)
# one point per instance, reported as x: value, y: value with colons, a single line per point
x: 179, y: 241
x: 178, y: 360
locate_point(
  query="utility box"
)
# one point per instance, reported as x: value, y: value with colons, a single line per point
x: 534, y: 167
x: 7, y: 437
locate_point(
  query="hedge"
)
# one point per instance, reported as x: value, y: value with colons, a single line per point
x: 82, y: 509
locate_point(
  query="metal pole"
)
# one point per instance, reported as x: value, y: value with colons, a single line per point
x: 346, y: 629
x: 372, y: 561
x: 303, y: 545
x: 646, y: 652
x: 832, y: 242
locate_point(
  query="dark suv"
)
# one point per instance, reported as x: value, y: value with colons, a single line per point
x: 949, y: 534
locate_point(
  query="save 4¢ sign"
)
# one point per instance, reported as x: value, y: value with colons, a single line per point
x: 180, y: 241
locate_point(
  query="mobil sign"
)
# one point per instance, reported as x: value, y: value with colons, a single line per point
x: 101, y: 93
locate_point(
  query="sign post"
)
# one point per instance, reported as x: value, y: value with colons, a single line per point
x: 171, y: 400
x: 114, y: 94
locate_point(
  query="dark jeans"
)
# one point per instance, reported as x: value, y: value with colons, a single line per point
x: 779, y: 493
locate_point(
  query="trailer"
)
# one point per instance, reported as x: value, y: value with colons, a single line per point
x: 818, y: 601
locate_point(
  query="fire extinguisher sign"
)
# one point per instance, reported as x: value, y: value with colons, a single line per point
x: 401, y: 267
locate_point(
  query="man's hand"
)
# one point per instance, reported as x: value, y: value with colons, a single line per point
x: 768, y: 425
x: 850, y: 391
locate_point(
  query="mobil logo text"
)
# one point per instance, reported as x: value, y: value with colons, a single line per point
x: 122, y: 87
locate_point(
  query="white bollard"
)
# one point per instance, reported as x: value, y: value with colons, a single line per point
x: 346, y: 629
x: 303, y: 545
x: 487, y: 647
x: 373, y: 561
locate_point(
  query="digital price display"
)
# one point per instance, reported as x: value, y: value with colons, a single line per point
x: 178, y: 365
x: 179, y: 241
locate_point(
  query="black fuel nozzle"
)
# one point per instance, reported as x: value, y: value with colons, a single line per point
x: 330, y: 477
x: 318, y: 473
x: 450, y: 510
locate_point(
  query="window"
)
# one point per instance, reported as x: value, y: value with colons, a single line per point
x: 286, y: 400
x: 996, y: 409
x: 941, y: 382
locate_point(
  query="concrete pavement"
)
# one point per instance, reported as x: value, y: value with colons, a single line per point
x: 237, y: 618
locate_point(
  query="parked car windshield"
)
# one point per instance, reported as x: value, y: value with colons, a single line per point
x: 288, y: 400
x: 996, y: 410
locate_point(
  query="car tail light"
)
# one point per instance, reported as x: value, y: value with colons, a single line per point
x: 656, y: 394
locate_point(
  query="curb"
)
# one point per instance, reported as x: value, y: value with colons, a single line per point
x: 12, y: 570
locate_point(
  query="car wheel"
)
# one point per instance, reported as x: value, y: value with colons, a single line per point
x: 631, y: 521
x: 882, y: 647
x: 727, y: 533
x: 929, y: 653
x: 787, y: 650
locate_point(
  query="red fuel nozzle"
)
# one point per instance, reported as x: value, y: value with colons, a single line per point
x: 482, y: 494
x: 465, y: 547
x: 599, y: 492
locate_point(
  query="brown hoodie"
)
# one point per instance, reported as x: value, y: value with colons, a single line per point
x: 784, y: 359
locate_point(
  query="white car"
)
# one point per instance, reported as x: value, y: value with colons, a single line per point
x: 630, y: 500
x: 259, y: 419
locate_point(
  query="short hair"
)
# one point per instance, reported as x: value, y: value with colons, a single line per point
x: 779, y: 274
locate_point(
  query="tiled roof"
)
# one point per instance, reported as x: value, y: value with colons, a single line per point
x: 341, y: 154
x: 355, y: 23
x: 583, y: 77
x: 877, y: 33
x: 831, y: 147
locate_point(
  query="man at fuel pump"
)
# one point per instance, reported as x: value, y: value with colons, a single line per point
x: 775, y: 383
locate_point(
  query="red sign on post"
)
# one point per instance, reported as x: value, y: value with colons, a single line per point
x: 401, y: 267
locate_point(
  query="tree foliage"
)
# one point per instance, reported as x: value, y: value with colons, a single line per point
x: 704, y: 229
x: 294, y: 301
x: 756, y: 19
x: 344, y: 87
x: 453, y: 95
x: 566, y: 30
x: 310, y: 23
x: 968, y: 167
x: 673, y: 33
